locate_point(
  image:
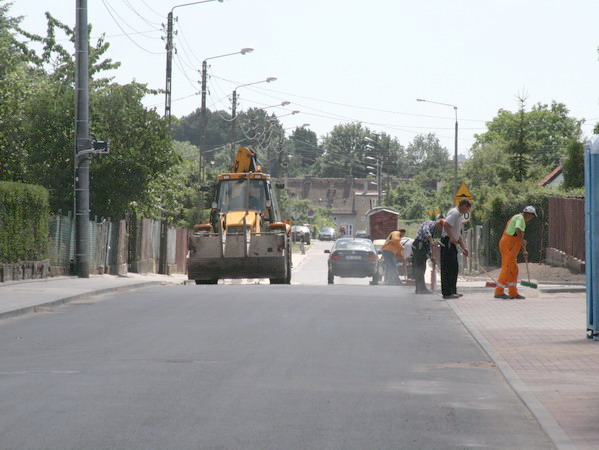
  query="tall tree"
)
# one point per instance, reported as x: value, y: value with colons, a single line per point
x: 305, y: 148
x: 519, y: 143
x: 549, y: 130
x: 425, y: 152
x: 574, y: 166
x: 344, y: 151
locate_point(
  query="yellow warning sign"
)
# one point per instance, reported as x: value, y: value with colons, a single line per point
x: 462, y: 193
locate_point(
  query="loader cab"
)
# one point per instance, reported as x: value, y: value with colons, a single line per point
x: 246, y: 192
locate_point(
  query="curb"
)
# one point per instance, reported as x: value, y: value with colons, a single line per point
x: 61, y: 301
x: 547, y: 422
x: 553, y: 290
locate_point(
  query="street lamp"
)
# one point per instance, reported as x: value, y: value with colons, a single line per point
x: 203, y: 118
x: 292, y: 113
x: 234, y: 105
x: 455, y: 155
x: 284, y: 103
x: 169, y: 58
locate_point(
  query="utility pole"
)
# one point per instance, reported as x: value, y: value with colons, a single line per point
x: 82, y: 142
x: 379, y: 167
x: 455, y: 154
x: 233, y: 136
x: 203, y: 121
x: 169, y: 68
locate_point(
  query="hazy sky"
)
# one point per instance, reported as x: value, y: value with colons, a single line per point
x: 339, y: 61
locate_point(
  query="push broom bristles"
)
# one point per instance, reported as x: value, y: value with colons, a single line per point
x: 529, y: 284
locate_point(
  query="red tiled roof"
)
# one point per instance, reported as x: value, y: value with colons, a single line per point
x: 552, y: 176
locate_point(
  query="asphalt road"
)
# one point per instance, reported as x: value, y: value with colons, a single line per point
x: 347, y: 366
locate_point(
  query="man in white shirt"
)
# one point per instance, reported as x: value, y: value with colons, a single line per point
x: 450, y: 239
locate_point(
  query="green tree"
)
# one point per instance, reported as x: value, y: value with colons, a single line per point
x: 574, y: 166
x: 426, y: 160
x: 549, y: 130
x: 343, y: 152
x: 139, y: 173
x: 519, y: 145
x: 411, y: 201
x: 218, y: 128
x: 303, y: 145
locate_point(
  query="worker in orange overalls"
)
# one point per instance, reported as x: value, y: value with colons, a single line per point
x: 510, y: 245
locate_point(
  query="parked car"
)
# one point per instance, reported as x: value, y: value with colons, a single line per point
x: 326, y: 234
x: 297, y: 231
x: 353, y: 258
x: 362, y: 234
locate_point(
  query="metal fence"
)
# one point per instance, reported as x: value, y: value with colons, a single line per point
x: 143, y: 246
x: 566, y: 226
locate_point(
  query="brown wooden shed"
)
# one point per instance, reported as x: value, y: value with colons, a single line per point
x: 381, y: 222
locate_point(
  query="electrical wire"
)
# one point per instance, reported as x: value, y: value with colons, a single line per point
x: 191, y: 64
x: 186, y: 42
x: 125, y: 22
x: 139, y: 15
x: 150, y: 8
x: 174, y: 100
x: 177, y: 62
x: 354, y: 106
x: 127, y: 34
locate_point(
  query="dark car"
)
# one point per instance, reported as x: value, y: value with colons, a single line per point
x: 353, y: 258
x: 299, y: 231
x: 326, y: 234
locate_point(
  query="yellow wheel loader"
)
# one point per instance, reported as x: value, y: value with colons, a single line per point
x: 246, y: 236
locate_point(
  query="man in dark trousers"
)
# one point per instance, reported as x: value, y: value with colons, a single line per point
x: 451, y: 238
x: 422, y: 250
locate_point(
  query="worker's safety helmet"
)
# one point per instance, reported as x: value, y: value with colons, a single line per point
x: 531, y: 210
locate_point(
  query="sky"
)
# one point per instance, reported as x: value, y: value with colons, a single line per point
x: 342, y: 61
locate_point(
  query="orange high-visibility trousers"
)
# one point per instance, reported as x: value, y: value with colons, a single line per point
x: 509, y: 246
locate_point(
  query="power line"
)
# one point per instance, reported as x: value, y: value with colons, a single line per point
x: 149, y: 7
x: 127, y: 34
x: 139, y: 15
x: 355, y: 106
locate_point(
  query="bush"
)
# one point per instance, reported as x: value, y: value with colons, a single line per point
x: 24, y: 214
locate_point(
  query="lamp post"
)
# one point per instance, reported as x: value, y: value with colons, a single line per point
x: 455, y: 155
x: 292, y: 113
x: 169, y: 58
x: 234, y: 106
x: 203, y: 118
x: 284, y: 103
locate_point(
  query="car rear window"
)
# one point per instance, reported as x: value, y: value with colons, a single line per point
x: 354, y: 244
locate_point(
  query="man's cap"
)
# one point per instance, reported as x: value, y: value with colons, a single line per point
x: 530, y: 209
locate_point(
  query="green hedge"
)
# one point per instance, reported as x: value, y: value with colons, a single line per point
x: 24, y: 214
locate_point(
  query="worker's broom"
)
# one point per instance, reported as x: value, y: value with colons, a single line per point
x: 488, y: 283
x: 528, y: 283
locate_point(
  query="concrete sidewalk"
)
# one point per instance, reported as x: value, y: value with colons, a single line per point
x: 21, y: 297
